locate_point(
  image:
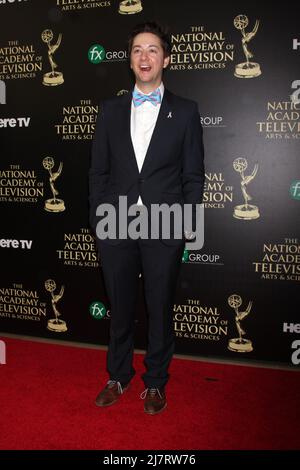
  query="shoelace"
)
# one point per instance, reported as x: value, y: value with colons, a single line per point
x: 111, y: 383
x: 152, y: 393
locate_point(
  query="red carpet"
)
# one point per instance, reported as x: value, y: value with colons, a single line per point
x: 47, y: 402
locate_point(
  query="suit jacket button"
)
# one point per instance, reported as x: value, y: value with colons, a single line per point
x: 141, y: 180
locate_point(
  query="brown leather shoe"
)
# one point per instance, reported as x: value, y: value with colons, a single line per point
x: 155, y: 400
x: 110, y: 393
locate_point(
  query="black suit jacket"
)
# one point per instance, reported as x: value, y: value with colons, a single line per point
x: 173, y: 169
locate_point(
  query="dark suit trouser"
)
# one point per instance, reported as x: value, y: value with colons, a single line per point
x: 159, y: 265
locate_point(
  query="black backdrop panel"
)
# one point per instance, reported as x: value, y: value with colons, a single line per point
x: 244, y: 282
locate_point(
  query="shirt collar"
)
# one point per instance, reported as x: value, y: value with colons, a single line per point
x: 161, y: 88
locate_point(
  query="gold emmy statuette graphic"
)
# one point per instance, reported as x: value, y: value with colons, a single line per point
x: 245, y: 211
x: 129, y: 7
x: 122, y: 92
x: 55, y: 324
x: 239, y: 344
x: 246, y: 69
x: 52, y: 78
x: 54, y: 204
x: 2, y: 92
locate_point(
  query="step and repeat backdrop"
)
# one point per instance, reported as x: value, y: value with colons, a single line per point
x: 237, y: 297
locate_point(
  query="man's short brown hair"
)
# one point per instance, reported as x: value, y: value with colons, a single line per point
x: 154, y: 28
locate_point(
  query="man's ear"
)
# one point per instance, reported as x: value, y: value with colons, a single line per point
x: 166, y: 61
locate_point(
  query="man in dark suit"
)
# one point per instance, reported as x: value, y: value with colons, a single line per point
x: 147, y: 147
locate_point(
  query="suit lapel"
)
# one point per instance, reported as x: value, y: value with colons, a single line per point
x: 158, y: 132
x: 125, y: 118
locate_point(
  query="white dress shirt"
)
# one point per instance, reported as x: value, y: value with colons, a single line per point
x: 142, y: 122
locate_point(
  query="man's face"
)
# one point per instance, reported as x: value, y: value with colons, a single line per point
x: 147, y: 61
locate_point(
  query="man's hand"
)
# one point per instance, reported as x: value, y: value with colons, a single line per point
x: 189, y: 235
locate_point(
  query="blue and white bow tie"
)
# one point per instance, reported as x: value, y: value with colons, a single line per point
x: 139, y: 98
